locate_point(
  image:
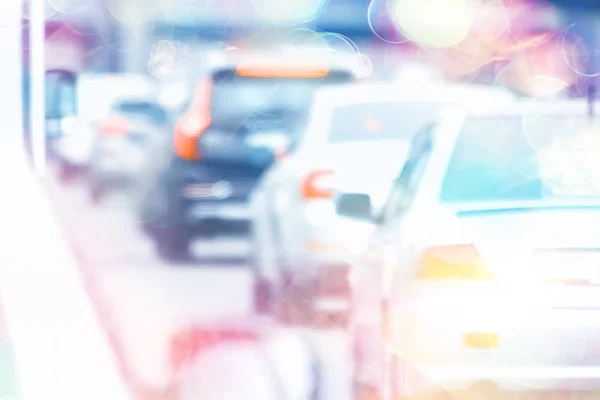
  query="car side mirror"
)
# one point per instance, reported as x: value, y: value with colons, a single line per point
x: 355, y: 205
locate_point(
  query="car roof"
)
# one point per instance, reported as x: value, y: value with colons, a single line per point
x: 571, y: 107
x: 468, y: 95
x: 224, y: 60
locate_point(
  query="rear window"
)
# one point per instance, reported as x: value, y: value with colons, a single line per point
x: 235, y: 97
x: 380, y: 121
x: 524, y: 158
x: 147, y: 110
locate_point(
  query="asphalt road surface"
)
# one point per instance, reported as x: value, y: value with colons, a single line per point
x: 146, y: 300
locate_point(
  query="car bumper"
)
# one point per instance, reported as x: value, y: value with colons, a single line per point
x: 326, y: 288
x: 320, y: 265
x: 226, y: 218
x: 454, y: 344
x: 428, y: 381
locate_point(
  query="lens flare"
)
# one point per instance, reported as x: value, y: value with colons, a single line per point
x: 545, y: 85
x: 378, y: 17
x: 434, y: 23
x: 290, y: 11
x: 577, y: 54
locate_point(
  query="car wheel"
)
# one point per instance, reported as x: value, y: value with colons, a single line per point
x: 292, y: 305
x: 364, y: 392
x: 173, y: 243
x: 262, y: 292
x: 390, y: 377
x: 263, y: 296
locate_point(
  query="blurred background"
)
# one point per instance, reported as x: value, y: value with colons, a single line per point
x: 158, y: 113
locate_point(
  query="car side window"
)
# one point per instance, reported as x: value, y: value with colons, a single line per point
x: 407, y: 183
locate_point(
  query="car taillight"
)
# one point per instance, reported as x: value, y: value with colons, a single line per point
x: 288, y: 70
x: 193, y: 123
x: 187, y: 132
x: 114, y: 126
x: 189, y: 344
x: 461, y: 261
x: 318, y: 185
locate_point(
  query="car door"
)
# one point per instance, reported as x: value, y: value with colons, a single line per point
x: 376, y: 269
x: 263, y: 234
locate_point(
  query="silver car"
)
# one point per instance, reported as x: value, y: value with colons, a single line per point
x: 357, y: 139
x: 122, y: 142
x: 485, y: 263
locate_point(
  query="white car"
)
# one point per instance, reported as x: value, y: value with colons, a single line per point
x: 485, y: 263
x: 72, y: 146
x: 356, y: 141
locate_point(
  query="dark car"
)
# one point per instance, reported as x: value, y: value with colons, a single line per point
x: 240, y: 119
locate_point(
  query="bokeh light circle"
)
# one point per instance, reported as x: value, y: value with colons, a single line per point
x: 290, y: 11
x: 300, y: 37
x: 545, y: 85
x: 577, y: 55
x: 434, y: 23
x: 462, y: 62
x: 163, y: 59
x: 381, y: 23
x: 490, y: 22
x: 332, y: 41
x: 538, y: 70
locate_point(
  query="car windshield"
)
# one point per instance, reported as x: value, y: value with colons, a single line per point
x: 235, y: 97
x: 380, y: 121
x: 524, y: 158
x: 143, y: 110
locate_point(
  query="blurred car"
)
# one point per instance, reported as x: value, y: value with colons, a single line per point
x: 121, y: 144
x: 73, y: 141
x: 355, y: 141
x: 484, y: 262
x: 240, y: 118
